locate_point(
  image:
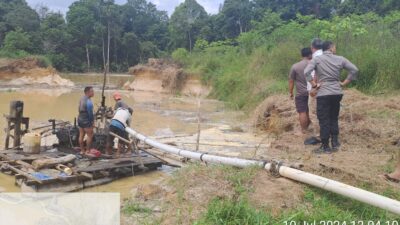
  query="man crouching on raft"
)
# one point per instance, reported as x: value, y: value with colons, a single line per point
x: 121, y: 120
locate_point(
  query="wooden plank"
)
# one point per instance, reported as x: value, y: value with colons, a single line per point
x: 27, y: 175
x: 53, y: 187
x: 108, y: 166
x: 92, y: 183
x: 66, y: 186
x: 27, y: 157
x: 42, y: 163
x: 24, y: 164
x: 87, y: 175
x: 67, y: 178
x: 168, y: 158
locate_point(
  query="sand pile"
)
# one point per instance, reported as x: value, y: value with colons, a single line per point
x: 53, y: 80
x: 30, y: 71
x: 163, y: 76
x: 28, y: 67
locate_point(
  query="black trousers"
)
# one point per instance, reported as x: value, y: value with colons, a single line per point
x: 328, y: 108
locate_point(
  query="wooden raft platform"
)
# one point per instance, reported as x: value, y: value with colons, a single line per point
x: 33, y: 175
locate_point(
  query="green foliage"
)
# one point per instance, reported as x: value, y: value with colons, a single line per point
x: 16, y: 14
x: 225, y: 211
x: 131, y: 207
x: 269, y: 22
x: 327, y: 205
x: 239, y: 178
x: 136, y: 30
x: 185, y: 24
x: 180, y: 55
x: 201, y: 44
x: 17, y: 41
x: 131, y: 46
x: 365, y: 6
x: 235, y: 17
x: 289, y: 9
x: 14, y: 54
x: 43, y: 61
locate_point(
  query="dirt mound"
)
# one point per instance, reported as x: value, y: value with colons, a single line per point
x: 53, y: 80
x: 21, y: 65
x: 275, y: 114
x: 163, y: 76
x: 26, y: 67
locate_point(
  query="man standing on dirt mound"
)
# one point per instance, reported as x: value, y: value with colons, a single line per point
x: 301, y: 100
x: 86, y: 120
x: 328, y: 67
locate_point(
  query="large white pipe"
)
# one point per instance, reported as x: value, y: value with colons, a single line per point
x: 195, y: 155
x: 361, y: 195
x: 341, y: 189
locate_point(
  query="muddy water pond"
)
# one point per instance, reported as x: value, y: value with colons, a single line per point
x: 155, y: 114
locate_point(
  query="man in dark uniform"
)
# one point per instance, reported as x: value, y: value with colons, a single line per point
x: 328, y: 67
x: 86, y: 120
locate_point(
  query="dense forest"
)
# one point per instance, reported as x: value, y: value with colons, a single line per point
x: 245, y: 42
x: 96, y: 31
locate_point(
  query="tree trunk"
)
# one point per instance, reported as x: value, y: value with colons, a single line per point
x: 108, y: 47
x: 240, y: 26
x: 115, y: 51
x: 104, y: 53
x: 87, y: 58
x: 190, y: 42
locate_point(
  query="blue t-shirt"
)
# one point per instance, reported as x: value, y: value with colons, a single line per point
x: 86, y: 110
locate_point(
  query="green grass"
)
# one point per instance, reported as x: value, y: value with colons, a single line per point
x: 317, y: 205
x: 131, y: 207
x: 384, y: 114
x: 240, y: 178
x: 228, y: 212
x: 320, y: 205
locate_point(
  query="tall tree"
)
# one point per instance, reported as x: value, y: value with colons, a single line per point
x: 81, y: 22
x: 236, y: 16
x: 146, y: 22
x: 55, y: 38
x: 186, y: 23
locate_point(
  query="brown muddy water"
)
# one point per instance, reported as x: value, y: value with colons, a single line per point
x: 155, y: 114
